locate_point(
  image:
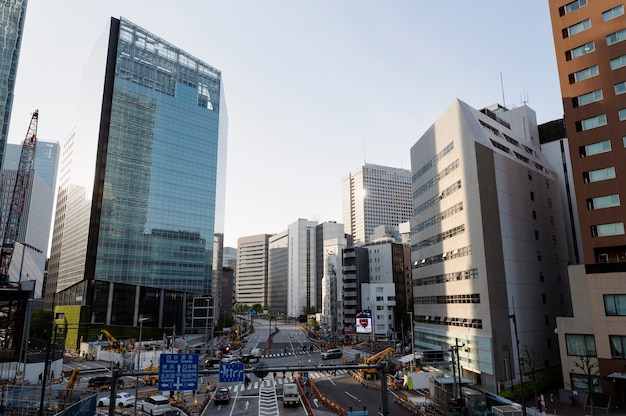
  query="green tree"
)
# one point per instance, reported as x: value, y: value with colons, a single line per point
x: 40, y: 322
x: 258, y: 308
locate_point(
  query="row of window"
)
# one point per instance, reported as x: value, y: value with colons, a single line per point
x: 461, y: 322
x: 446, y: 278
x: 606, y: 230
x: 439, y: 238
x: 442, y: 300
x: 584, y: 345
x: 586, y: 24
x: 437, y: 218
x: 433, y: 161
x: 456, y: 253
x: 435, y: 179
x: 432, y: 201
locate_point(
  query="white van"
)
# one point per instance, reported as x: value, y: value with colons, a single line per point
x: 256, y: 352
x: 291, y: 395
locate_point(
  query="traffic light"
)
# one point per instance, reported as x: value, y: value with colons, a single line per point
x: 260, y: 370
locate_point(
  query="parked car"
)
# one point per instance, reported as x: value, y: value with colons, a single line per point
x: 222, y: 395
x: 156, y: 405
x: 332, y: 353
x: 121, y: 400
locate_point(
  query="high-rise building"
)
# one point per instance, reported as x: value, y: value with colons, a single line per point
x: 251, y: 285
x: 375, y: 195
x: 12, y: 16
x: 488, y: 243
x: 31, y: 251
x: 142, y: 199
x: 591, y: 57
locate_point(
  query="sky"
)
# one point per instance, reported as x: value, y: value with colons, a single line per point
x: 314, y: 89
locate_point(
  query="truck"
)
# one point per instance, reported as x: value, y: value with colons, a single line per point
x: 291, y: 395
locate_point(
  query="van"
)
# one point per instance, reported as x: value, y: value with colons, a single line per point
x: 332, y: 353
x: 291, y: 395
x: 156, y: 405
x: 256, y: 352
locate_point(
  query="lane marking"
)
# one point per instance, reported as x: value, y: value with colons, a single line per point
x: 353, y: 396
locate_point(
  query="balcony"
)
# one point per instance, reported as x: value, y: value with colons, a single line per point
x: 350, y: 302
x: 349, y: 286
x: 349, y: 268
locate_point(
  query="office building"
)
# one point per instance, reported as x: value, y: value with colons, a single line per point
x: 29, y: 258
x: 487, y: 243
x: 591, y: 58
x: 251, y: 285
x: 140, y: 203
x: 372, y: 196
x: 278, y: 270
x: 12, y: 17
x: 355, y: 270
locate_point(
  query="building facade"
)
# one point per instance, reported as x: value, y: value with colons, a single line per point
x: 372, y: 196
x: 12, y: 17
x: 251, y: 286
x: 139, y: 207
x: 29, y: 259
x: 487, y: 242
x: 591, y: 58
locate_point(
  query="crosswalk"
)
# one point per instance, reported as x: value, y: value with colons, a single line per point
x: 290, y: 353
x: 270, y: 382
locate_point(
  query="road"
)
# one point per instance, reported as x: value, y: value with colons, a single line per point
x: 290, y: 348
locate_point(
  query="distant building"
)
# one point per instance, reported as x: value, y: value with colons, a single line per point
x: 372, y: 196
x: 12, y: 17
x: 141, y: 199
x: 251, y: 284
x: 355, y: 270
x: 29, y: 263
x: 278, y: 281
x: 488, y: 242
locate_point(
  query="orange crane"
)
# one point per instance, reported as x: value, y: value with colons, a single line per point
x: 375, y: 359
x: 20, y: 189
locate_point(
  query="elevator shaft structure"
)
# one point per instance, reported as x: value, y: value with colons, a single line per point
x: 20, y: 189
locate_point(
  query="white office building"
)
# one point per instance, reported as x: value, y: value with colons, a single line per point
x: 372, y: 196
x: 488, y: 243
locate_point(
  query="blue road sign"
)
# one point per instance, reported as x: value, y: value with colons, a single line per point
x: 250, y: 311
x: 231, y: 373
x: 178, y: 372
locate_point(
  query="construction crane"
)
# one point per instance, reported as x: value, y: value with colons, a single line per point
x: 20, y: 189
x: 115, y: 345
x: 66, y: 396
x: 375, y: 359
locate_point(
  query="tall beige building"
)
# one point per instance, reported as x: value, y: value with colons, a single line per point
x: 372, y: 196
x: 251, y: 284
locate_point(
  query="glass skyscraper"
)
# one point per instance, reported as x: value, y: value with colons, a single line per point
x: 12, y: 15
x: 142, y: 193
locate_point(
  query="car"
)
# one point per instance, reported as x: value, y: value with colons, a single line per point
x: 249, y: 358
x: 121, y: 400
x: 156, y: 405
x: 245, y: 340
x: 103, y: 383
x: 222, y: 395
x: 332, y: 353
x: 230, y: 358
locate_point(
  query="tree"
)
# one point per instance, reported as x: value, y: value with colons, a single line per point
x: 258, y: 308
x: 529, y: 366
x: 591, y: 371
x: 40, y: 324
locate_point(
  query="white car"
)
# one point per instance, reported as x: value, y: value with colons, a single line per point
x: 230, y: 358
x: 121, y: 400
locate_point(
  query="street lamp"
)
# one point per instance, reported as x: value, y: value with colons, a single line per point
x: 519, y: 362
x: 141, y: 321
x: 412, y: 343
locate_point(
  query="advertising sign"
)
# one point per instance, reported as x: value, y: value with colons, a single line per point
x: 364, y: 322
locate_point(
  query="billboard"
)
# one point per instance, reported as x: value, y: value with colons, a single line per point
x: 364, y: 322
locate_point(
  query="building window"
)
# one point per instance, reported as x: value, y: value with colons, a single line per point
x: 591, y: 123
x: 616, y: 37
x: 624, y: 140
x: 618, y: 62
x: 584, y: 74
x: 613, y: 13
x: 588, y: 98
x: 580, y: 345
x: 595, y: 148
x: 577, y: 28
x: 620, y: 88
x: 546, y: 320
x: 606, y: 230
x: 551, y: 220
x: 549, y: 202
x: 534, y: 214
x: 538, y: 255
x: 600, y: 202
x: 532, y: 196
x: 541, y: 277
x: 580, y: 51
x: 553, y: 239
x: 536, y: 235
x: 570, y: 7
x: 622, y: 114
x: 615, y: 305
x: 543, y: 298
x: 618, y: 344
x: 599, y: 175
x: 530, y: 176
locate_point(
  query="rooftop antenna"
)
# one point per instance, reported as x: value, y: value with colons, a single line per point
x: 524, y: 98
x: 502, y: 87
